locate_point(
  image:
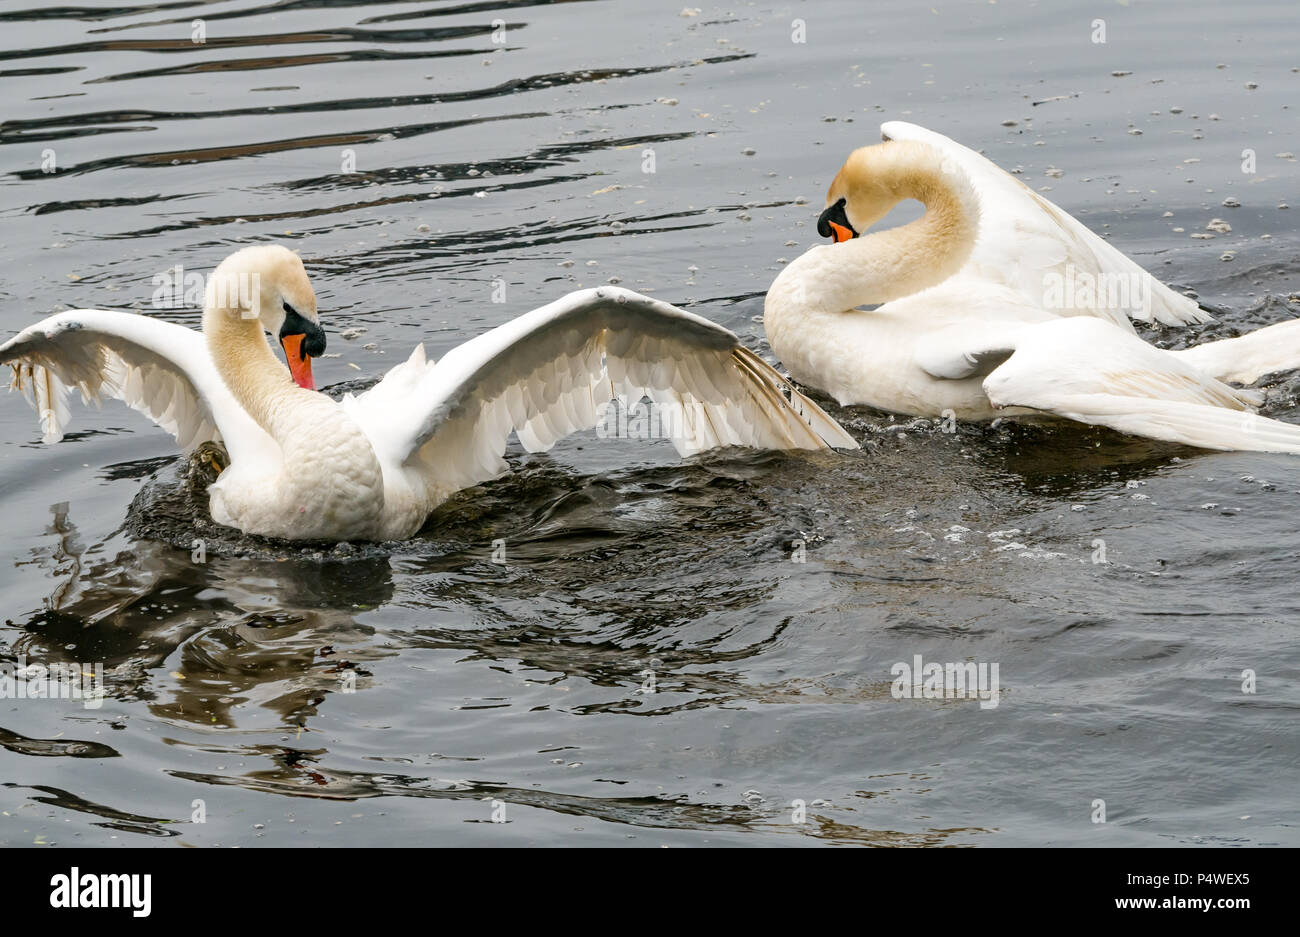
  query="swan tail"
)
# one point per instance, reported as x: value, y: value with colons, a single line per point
x: 1249, y: 357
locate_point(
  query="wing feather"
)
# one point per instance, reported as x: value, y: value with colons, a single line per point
x: 548, y: 373
x: 1048, y: 240
x: 158, y: 368
x: 1088, y: 370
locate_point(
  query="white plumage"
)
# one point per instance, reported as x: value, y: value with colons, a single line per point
x: 151, y: 365
x: 973, y: 322
x: 374, y: 465
x: 1023, y: 238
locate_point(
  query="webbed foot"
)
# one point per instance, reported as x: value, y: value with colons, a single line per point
x: 207, y: 461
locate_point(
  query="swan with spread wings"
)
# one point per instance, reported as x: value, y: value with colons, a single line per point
x: 303, y: 466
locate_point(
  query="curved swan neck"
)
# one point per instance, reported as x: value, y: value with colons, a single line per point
x: 886, y: 265
x: 255, y: 376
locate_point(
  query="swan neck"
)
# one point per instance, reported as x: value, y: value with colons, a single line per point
x: 257, y: 379
x: 885, y: 265
x: 925, y: 252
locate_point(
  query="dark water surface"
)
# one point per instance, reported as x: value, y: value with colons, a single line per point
x: 521, y: 161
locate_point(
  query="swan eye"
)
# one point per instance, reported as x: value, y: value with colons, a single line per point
x: 288, y: 310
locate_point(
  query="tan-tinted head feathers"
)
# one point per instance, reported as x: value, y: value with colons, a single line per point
x: 266, y: 284
x: 876, y: 178
x: 259, y: 281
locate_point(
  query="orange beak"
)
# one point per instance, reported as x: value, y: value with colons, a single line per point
x: 841, y: 233
x: 299, y: 363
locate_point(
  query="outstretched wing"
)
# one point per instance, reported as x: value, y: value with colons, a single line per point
x: 158, y: 368
x: 549, y: 372
x: 1090, y: 371
x: 1035, y: 247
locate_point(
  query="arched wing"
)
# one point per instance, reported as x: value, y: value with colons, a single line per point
x: 161, y: 369
x: 1035, y: 247
x: 548, y: 373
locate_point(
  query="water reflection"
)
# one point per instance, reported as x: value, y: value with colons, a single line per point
x: 270, y: 634
x: 114, y: 819
x: 223, y: 645
x: 298, y: 774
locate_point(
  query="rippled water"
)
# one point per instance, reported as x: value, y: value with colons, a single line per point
x: 484, y: 155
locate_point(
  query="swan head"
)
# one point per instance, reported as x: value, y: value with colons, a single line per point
x: 865, y: 189
x: 269, y: 283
